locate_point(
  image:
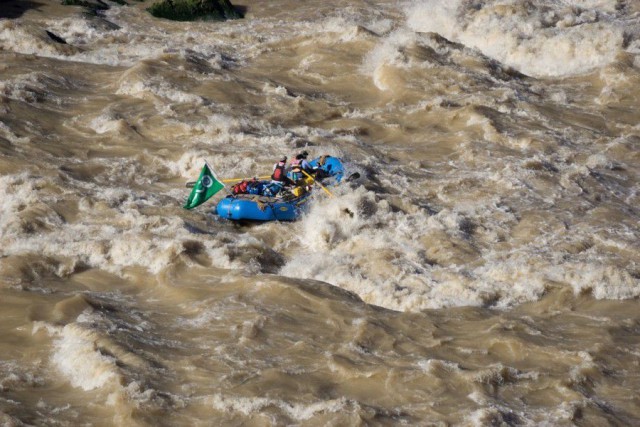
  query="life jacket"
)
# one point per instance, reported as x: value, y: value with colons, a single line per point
x: 240, y: 188
x: 296, y: 165
x: 278, y: 172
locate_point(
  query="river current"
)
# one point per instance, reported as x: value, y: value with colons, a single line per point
x: 483, y: 270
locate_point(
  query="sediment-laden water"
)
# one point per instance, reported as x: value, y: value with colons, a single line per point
x: 484, y: 269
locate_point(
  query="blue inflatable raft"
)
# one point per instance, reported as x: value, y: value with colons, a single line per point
x: 285, y: 206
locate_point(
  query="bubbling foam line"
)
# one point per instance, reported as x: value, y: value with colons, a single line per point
x: 296, y: 411
x: 99, y: 243
x: 419, y: 261
x: 140, y: 85
x: 105, y: 247
x: 546, y: 40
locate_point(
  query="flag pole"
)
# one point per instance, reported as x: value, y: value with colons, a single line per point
x: 224, y: 187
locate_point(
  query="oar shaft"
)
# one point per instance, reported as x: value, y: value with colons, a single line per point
x: 242, y: 179
x: 191, y: 184
x: 321, y: 186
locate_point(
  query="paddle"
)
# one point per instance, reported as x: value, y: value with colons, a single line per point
x: 190, y: 184
x: 321, y: 186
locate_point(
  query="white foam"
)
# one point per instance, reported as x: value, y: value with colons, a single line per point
x: 358, y: 243
x: 353, y: 240
x: 28, y: 39
x: 385, y: 54
x: 433, y: 366
x: 602, y: 280
x: 142, y: 88
x: 224, y: 166
x: 21, y: 191
x: 76, y: 357
x: 98, y: 240
x: 77, y: 30
x: 297, y: 411
x: 14, y: 376
x: 548, y: 39
x: 107, y: 122
x: 34, y: 87
x: 10, y: 136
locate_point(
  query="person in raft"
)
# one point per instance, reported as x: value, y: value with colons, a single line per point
x: 300, y: 164
x: 279, y: 178
x: 280, y: 172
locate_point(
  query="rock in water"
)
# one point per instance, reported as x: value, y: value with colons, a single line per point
x: 192, y: 10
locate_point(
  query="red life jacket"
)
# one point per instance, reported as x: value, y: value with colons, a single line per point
x: 240, y: 188
x: 278, y: 172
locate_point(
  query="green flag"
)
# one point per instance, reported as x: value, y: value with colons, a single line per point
x: 206, y: 186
